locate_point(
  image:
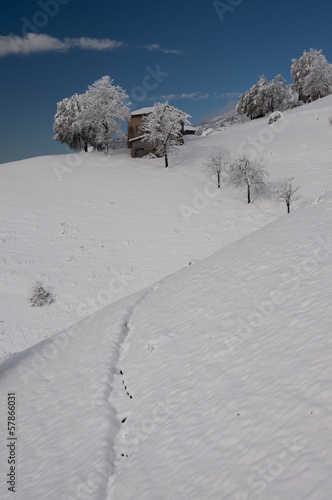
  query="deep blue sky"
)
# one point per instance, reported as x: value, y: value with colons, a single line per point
x: 208, y: 61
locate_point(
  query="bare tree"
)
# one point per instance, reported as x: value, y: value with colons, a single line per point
x: 247, y: 172
x: 217, y: 162
x: 288, y: 193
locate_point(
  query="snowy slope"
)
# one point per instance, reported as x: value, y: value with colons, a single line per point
x: 103, y: 229
x: 215, y: 381
x: 96, y: 229
x: 66, y: 426
x: 229, y: 366
x: 220, y: 373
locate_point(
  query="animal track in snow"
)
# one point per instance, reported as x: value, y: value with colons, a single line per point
x: 152, y: 345
x: 125, y: 385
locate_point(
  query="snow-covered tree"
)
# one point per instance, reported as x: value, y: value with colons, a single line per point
x: 263, y: 97
x: 105, y: 109
x: 248, y: 102
x: 288, y: 193
x: 162, y: 128
x: 319, y: 81
x: 276, y: 93
x: 67, y: 123
x: 250, y: 173
x: 259, y: 101
x: 217, y: 162
x: 312, y: 75
x: 92, y: 118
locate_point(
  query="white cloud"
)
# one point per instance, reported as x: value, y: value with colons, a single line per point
x: 29, y: 44
x: 32, y: 43
x: 198, y: 96
x: 157, y: 47
x: 94, y: 44
x: 227, y: 95
x: 194, y: 96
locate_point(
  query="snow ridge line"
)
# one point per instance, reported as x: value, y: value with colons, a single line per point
x: 112, y: 369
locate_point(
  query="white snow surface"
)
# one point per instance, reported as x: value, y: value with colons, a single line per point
x: 149, y: 378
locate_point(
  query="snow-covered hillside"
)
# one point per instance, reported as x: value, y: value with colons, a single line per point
x: 96, y: 229
x: 107, y: 227
x: 213, y: 382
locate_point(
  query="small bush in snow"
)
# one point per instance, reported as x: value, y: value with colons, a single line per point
x: 208, y: 131
x: 276, y: 115
x: 149, y: 156
x: 39, y: 296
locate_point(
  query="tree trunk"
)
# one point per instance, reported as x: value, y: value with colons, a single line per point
x: 288, y: 208
x: 166, y: 161
x: 218, y: 173
x: 85, y: 147
x: 248, y: 193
